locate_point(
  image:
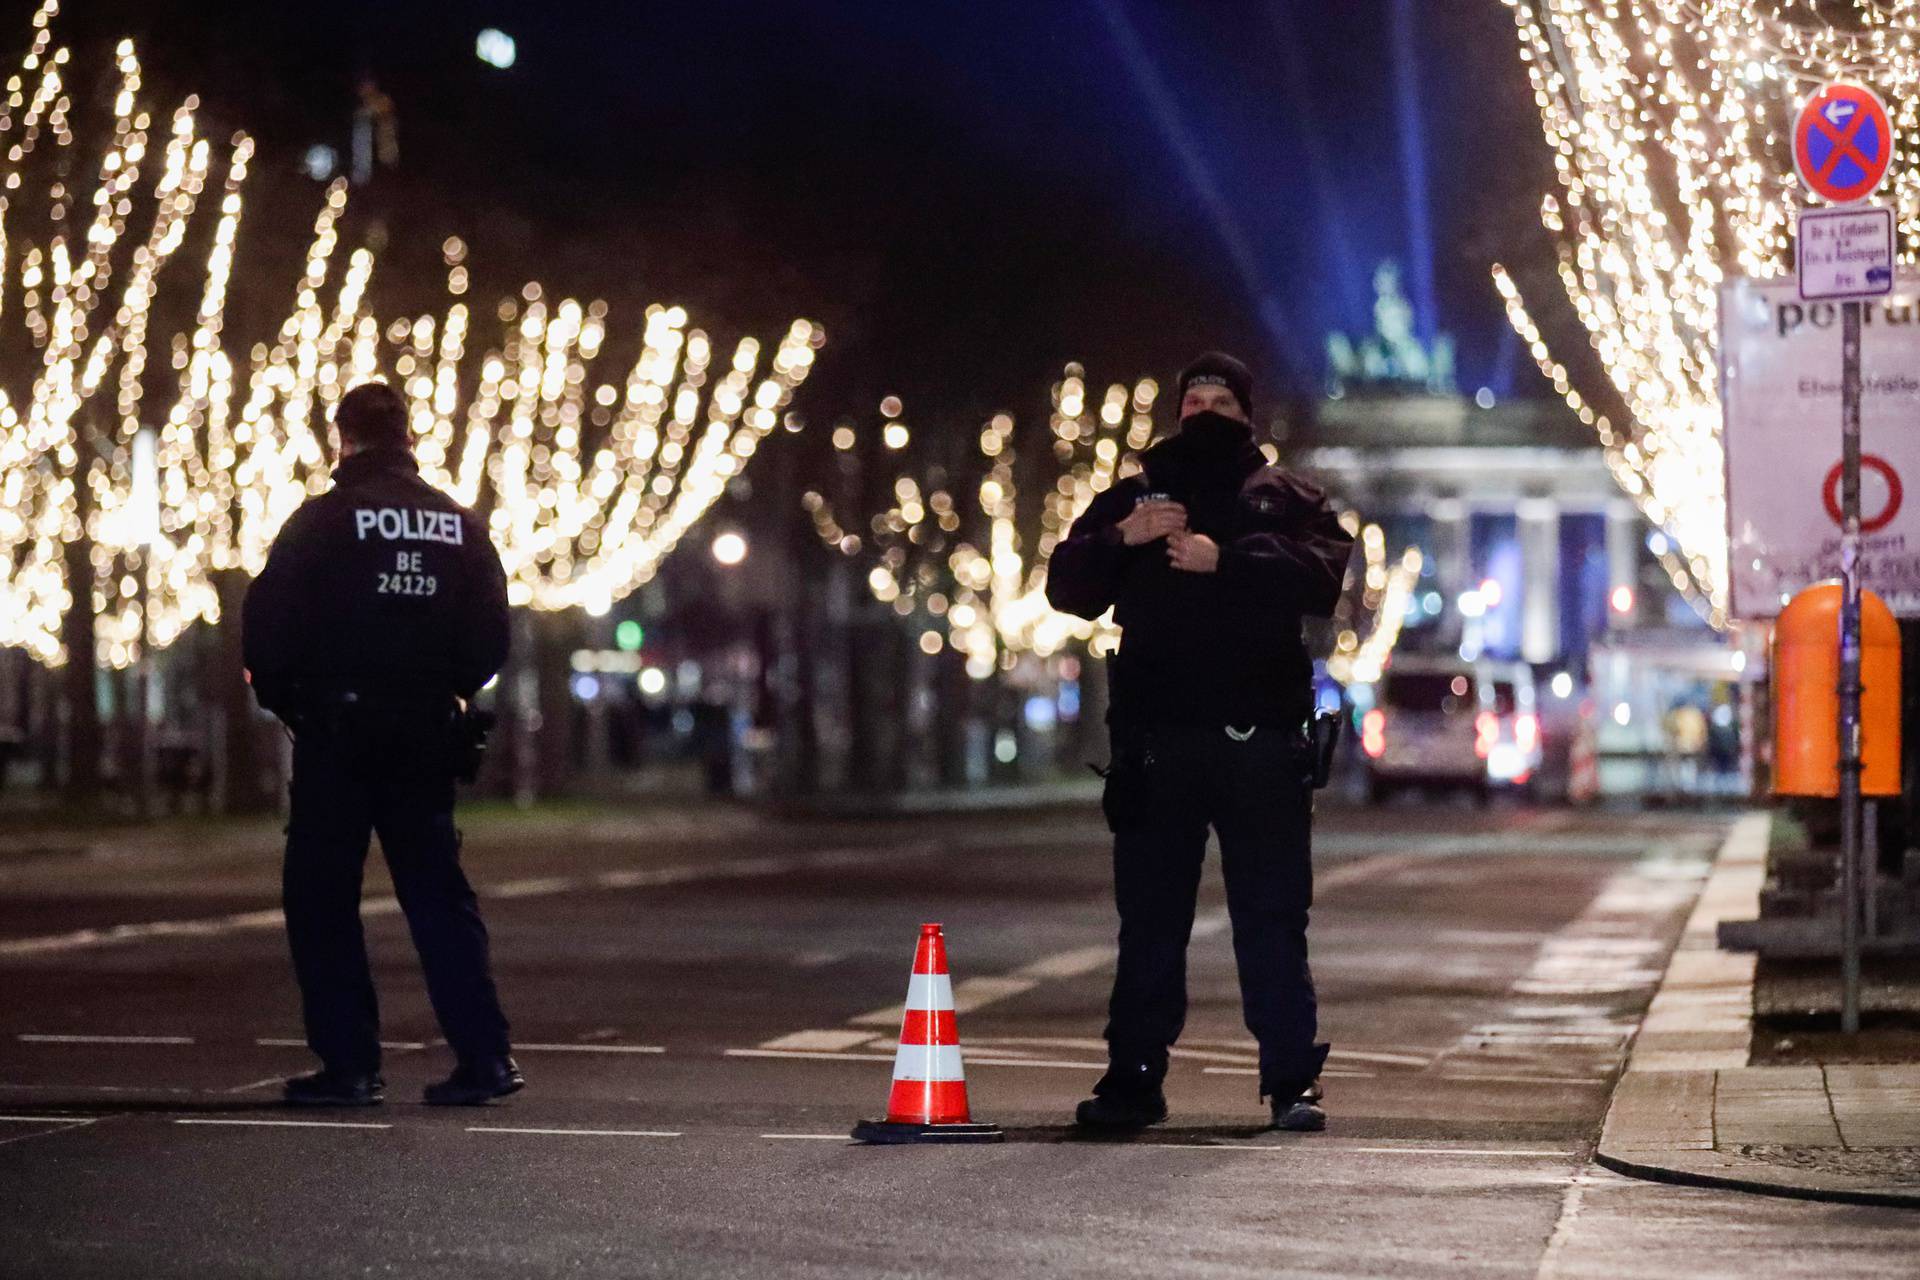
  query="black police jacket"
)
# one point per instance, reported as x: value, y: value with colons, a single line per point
x: 1222, y: 648
x: 382, y: 586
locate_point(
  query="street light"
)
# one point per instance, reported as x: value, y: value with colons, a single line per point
x: 730, y: 548
x: 495, y: 48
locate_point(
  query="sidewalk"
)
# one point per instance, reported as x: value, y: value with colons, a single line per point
x: 1689, y: 1108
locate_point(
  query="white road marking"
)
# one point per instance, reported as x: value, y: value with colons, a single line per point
x: 973, y: 1059
x: 806, y: 1137
x: 86, y: 1039
x: 1329, y: 1073
x: 53, y: 1126
x: 289, y: 1124
x: 578, y: 1133
x: 1572, y: 1203
x: 1310, y: 1147
x: 820, y: 1041
x: 589, y: 1048
x: 92, y: 1088
x: 257, y: 1084
x: 288, y: 1042
x: 814, y: 1055
x: 536, y: 887
x: 1213, y: 1055
x: 1069, y: 964
x: 1381, y: 1055
x: 48, y: 1119
x: 974, y: 993
x: 273, y: 918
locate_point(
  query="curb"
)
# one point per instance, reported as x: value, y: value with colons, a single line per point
x: 1661, y: 1122
x: 1674, y: 1173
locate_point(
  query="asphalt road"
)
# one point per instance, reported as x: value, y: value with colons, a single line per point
x: 703, y: 1004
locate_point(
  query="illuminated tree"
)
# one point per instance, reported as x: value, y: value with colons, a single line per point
x: 139, y: 491
x: 587, y: 483
x: 962, y: 567
x: 959, y: 559
x: 1670, y: 125
x: 86, y: 241
x: 1381, y: 592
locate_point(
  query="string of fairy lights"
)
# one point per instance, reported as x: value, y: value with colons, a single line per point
x: 78, y: 337
x: 985, y: 595
x: 1385, y: 594
x: 1669, y: 122
x: 588, y: 484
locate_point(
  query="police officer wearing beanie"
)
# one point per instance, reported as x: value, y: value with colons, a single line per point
x: 1210, y: 559
x: 381, y: 611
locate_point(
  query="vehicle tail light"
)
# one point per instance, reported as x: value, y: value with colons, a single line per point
x: 1373, y: 733
x: 1526, y: 731
x: 1486, y: 733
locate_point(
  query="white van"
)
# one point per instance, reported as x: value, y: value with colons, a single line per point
x: 1434, y: 723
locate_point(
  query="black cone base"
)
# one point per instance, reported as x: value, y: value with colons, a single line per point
x: 890, y: 1133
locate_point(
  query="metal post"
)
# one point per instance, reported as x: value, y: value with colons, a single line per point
x: 141, y: 725
x: 1850, y: 668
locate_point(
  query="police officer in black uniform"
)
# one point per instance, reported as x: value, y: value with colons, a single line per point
x: 1210, y: 560
x: 380, y: 613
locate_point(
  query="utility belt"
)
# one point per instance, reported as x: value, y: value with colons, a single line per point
x: 437, y: 721
x: 1153, y: 764
x: 1311, y: 745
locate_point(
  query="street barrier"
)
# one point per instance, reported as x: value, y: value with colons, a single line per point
x: 928, y: 1102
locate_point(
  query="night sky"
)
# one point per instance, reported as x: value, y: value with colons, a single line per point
x: 968, y: 194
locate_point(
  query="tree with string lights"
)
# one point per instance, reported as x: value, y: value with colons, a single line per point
x: 142, y: 489
x: 960, y: 560
x: 589, y: 476
x: 89, y: 235
x: 1670, y: 124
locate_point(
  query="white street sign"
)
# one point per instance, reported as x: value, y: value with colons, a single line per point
x: 1845, y: 253
x: 1780, y: 389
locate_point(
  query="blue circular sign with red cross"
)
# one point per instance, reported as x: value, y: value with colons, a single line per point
x: 1843, y: 143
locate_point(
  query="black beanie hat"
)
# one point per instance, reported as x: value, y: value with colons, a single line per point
x: 1218, y: 369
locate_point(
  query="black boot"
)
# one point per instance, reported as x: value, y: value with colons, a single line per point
x: 473, y: 1084
x: 1128, y: 1097
x: 1302, y: 1112
x: 327, y: 1088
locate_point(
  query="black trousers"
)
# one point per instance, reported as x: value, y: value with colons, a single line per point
x: 390, y: 774
x: 1166, y: 788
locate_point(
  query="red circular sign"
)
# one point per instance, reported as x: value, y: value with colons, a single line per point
x: 1843, y: 143
x: 1896, y: 494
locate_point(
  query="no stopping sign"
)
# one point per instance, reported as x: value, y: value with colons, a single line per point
x: 1870, y: 522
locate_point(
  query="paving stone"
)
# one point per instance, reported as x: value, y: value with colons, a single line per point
x: 1783, y: 1106
x: 1661, y: 1108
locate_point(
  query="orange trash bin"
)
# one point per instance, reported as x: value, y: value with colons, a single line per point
x: 1806, y: 695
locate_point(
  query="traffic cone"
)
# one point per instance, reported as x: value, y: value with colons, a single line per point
x: 929, y: 1098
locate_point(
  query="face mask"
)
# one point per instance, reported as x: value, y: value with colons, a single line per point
x: 1209, y: 423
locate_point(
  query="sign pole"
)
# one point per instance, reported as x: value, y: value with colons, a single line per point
x: 1850, y: 687
x: 1842, y: 148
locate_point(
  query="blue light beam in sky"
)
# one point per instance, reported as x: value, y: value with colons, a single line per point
x: 1179, y: 140
x: 1413, y: 168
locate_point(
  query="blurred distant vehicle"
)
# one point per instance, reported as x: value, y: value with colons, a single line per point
x: 1515, y: 755
x: 1445, y: 724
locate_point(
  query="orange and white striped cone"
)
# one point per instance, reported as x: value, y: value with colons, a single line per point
x: 929, y: 1098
